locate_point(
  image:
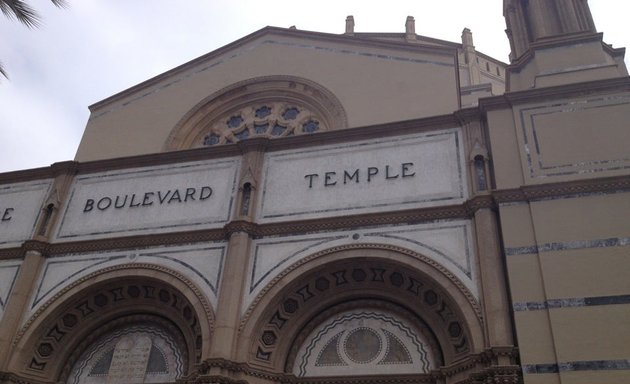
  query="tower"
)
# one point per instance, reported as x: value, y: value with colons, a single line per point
x: 560, y: 139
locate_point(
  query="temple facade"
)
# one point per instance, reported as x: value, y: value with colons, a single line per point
x: 303, y: 207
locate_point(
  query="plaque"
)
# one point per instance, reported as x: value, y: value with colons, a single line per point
x: 130, y: 359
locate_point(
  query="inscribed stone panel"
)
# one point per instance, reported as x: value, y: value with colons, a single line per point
x: 20, y: 206
x: 151, y: 200
x: 368, y: 176
x: 142, y: 353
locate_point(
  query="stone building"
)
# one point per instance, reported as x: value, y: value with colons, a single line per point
x: 303, y: 207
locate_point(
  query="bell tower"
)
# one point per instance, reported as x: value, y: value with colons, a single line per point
x: 560, y: 173
x: 556, y: 42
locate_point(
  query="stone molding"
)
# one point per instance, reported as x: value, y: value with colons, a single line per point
x: 220, y: 151
x: 480, y: 368
x: 562, y: 189
x: 615, y: 85
x: 537, y: 95
x: 489, y: 200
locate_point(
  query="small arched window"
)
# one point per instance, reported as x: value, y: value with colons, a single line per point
x: 480, y: 173
x: 48, y: 211
x: 246, y: 199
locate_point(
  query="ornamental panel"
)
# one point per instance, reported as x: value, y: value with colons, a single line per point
x: 574, y: 138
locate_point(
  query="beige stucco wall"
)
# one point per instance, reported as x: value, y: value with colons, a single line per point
x: 364, y: 76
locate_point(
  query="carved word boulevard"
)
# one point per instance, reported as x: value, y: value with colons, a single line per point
x: 180, y: 197
x: 147, y: 199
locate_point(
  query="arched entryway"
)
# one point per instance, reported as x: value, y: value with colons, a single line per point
x: 370, y: 311
x: 140, y: 324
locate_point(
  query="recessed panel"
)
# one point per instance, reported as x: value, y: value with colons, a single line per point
x: 575, y: 138
x: 362, y: 177
x: 151, y: 200
x: 20, y: 206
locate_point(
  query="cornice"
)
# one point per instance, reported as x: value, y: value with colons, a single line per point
x: 562, y: 189
x: 508, y: 100
x: 466, y: 115
x: 364, y: 220
x: 365, y: 132
x: 52, y: 171
x: 488, y: 200
x: 537, y: 95
x: 26, y: 175
x: 219, y: 151
x: 255, y: 144
x: 553, y: 42
x: 142, y: 241
x: 253, y: 229
x: 11, y: 253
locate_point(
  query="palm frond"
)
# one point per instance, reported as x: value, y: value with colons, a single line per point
x: 3, y: 72
x: 22, y: 12
x: 60, y: 3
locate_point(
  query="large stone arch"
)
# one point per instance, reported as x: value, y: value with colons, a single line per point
x: 378, y: 276
x: 109, y: 300
x: 316, y: 101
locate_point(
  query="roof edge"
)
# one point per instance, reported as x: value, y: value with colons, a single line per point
x: 279, y: 31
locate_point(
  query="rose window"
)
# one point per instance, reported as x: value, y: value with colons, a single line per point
x: 264, y: 120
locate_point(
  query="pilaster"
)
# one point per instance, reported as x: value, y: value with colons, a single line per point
x: 225, y: 338
x: 18, y: 301
x: 493, y: 281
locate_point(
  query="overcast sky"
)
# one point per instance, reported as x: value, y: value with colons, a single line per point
x: 96, y: 48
